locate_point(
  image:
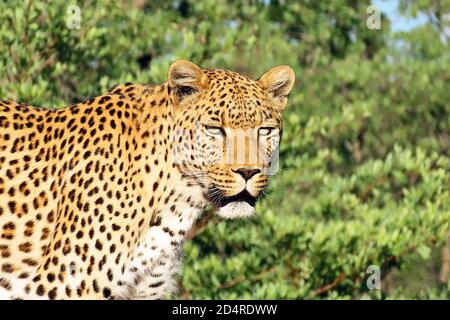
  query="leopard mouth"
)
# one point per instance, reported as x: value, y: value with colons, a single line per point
x: 238, y: 206
x: 243, y: 196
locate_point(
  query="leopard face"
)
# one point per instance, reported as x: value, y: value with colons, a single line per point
x: 228, y: 131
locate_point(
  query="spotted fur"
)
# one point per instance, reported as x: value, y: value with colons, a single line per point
x: 96, y: 199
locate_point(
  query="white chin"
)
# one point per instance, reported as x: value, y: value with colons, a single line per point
x: 237, y: 209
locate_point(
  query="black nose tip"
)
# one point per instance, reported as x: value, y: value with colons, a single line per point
x: 247, y: 173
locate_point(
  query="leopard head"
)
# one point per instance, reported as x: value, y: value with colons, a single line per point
x: 227, y: 131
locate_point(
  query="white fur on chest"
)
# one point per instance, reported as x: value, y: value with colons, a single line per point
x: 156, y: 261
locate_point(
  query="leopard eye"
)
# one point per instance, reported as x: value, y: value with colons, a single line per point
x: 215, y: 131
x: 264, y: 132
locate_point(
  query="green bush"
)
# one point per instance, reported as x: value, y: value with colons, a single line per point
x: 365, y: 169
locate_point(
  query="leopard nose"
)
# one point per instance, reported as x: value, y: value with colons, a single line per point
x: 247, y: 172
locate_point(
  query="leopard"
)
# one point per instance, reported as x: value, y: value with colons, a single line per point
x: 97, y: 198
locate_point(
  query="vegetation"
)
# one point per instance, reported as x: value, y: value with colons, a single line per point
x: 365, y: 168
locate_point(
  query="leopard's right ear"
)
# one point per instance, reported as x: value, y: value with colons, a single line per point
x: 185, y: 80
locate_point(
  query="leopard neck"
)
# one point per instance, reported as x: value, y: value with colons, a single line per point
x: 172, y: 200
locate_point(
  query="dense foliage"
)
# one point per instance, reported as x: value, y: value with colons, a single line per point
x: 365, y: 169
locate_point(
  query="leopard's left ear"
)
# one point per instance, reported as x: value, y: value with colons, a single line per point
x: 278, y: 82
x: 186, y: 79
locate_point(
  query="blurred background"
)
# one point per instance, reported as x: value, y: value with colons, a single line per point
x: 365, y: 170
